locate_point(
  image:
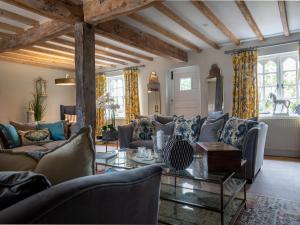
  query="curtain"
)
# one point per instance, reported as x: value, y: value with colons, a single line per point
x: 132, y: 106
x: 100, y: 90
x: 245, y: 91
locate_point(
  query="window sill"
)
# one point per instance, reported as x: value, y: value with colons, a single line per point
x: 271, y: 116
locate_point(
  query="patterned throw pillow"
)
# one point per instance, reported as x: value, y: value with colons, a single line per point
x: 235, y: 131
x: 34, y: 137
x: 143, y: 129
x: 188, y: 129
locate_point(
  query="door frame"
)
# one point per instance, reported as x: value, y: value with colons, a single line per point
x: 170, y: 86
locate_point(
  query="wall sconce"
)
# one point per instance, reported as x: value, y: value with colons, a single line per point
x: 67, y: 81
x: 41, y: 87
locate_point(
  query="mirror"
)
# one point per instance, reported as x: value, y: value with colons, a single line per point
x: 215, y: 89
x: 154, y: 106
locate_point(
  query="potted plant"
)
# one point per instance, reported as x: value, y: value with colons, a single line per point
x: 38, y: 107
x: 107, y: 103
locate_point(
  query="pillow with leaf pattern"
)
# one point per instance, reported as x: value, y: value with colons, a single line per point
x: 35, y: 137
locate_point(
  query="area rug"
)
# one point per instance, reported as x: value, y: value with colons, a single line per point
x: 263, y: 210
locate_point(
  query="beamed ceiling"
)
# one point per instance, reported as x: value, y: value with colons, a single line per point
x: 40, y: 32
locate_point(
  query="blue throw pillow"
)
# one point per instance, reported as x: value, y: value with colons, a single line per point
x: 56, y: 130
x: 188, y: 129
x: 11, y: 136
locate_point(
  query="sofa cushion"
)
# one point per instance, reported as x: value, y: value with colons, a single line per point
x: 189, y: 129
x: 167, y: 128
x: 9, y: 136
x: 235, y: 130
x: 24, y: 126
x: 141, y: 143
x: 75, y: 158
x: 34, y: 137
x: 143, y: 129
x: 210, y: 132
x: 214, y: 115
x: 29, y: 148
x: 56, y: 129
x: 164, y: 119
x: 53, y: 144
x: 16, y: 161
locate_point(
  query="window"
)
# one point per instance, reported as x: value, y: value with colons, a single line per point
x: 185, y: 84
x: 278, y: 74
x: 115, y: 87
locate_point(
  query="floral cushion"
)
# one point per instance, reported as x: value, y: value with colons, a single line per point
x: 188, y: 129
x: 34, y: 137
x: 143, y: 129
x: 235, y: 131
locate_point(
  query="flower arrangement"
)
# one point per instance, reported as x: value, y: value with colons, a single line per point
x: 109, y: 105
x: 38, y: 106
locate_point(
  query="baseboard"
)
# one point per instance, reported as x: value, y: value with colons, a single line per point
x: 286, y: 153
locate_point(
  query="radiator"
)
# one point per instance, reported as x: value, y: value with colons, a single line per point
x: 283, y: 138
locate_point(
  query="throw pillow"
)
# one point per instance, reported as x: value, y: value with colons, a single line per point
x: 235, y: 130
x: 24, y: 126
x: 9, y: 136
x: 56, y: 129
x: 167, y: 128
x: 34, y: 137
x: 164, y: 119
x: 70, y: 118
x: 210, y: 132
x: 188, y: 129
x: 75, y: 158
x: 143, y: 129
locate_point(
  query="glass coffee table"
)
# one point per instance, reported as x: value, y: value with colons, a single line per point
x: 192, y: 196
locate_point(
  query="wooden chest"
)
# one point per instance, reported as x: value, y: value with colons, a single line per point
x: 220, y: 157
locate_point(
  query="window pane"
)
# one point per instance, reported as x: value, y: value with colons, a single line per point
x: 289, y: 78
x: 260, y: 80
x: 185, y: 84
x: 270, y: 67
x: 269, y: 90
x: 289, y: 64
x: 290, y: 92
x: 293, y: 105
x: 271, y: 79
x: 260, y: 94
x: 259, y: 68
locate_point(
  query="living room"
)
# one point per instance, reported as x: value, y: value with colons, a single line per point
x: 190, y: 107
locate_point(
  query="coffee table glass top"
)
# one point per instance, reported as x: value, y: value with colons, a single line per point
x: 197, y: 170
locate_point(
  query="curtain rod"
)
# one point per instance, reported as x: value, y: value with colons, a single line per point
x: 113, y: 70
x: 233, y: 51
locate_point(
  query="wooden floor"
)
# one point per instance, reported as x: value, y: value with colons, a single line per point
x: 279, y: 177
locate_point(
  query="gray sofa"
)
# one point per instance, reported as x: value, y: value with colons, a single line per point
x: 128, y: 197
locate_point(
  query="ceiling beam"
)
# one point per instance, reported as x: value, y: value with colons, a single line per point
x: 109, y: 46
x: 19, y: 18
x: 249, y: 18
x: 156, y: 27
x: 216, y: 21
x: 177, y: 19
x: 5, y: 35
x: 34, y: 35
x: 284, y: 18
x: 50, y: 52
x: 37, y: 53
x: 53, y: 9
x: 121, y: 32
x: 12, y: 28
x: 96, y: 11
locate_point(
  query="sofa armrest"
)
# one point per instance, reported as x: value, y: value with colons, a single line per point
x: 249, y: 149
x: 125, y: 135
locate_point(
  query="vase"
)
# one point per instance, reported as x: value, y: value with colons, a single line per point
x: 178, y: 154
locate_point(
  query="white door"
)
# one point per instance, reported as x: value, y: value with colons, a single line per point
x: 185, y: 92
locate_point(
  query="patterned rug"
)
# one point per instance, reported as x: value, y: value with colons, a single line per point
x: 263, y: 210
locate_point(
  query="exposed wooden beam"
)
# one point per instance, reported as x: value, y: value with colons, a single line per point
x: 33, y: 62
x: 284, y: 18
x: 200, y: 5
x: 85, y: 76
x: 50, y: 52
x: 119, y: 31
x: 21, y: 6
x: 156, y: 27
x: 65, y: 50
x: 22, y: 19
x: 177, y: 19
x: 249, y: 18
x: 118, y: 49
x: 54, y: 9
x: 96, y: 11
x: 15, y: 29
x: 30, y: 37
x: 36, y: 53
x: 5, y: 35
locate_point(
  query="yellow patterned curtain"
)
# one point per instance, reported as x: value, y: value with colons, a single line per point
x: 100, y: 90
x: 245, y: 91
x: 132, y: 105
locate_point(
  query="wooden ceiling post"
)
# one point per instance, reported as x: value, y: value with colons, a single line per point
x: 85, y: 75
x: 284, y: 18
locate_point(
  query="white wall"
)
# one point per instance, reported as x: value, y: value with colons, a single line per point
x: 17, y: 86
x: 204, y: 60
